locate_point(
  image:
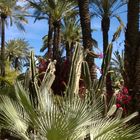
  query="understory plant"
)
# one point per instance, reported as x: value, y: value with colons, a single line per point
x: 41, y: 115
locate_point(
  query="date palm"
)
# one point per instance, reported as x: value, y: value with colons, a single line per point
x: 56, y: 10
x: 17, y: 52
x: 9, y: 12
x: 107, y: 9
x: 71, y: 33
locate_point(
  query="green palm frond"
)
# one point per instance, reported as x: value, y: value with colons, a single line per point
x: 18, y: 52
x: 106, y: 7
x: 57, y: 9
x: 117, y: 65
x: 13, y: 13
x: 71, y: 32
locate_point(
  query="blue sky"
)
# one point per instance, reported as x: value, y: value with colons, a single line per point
x: 33, y: 33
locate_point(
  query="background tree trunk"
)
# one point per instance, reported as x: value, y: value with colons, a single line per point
x: 105, y: 23
x: 132, y: 53
x: 50, y: 37
x: 86, y: 33
x: 3, y: 45
x: 57, y: 40
x: 105, y: 29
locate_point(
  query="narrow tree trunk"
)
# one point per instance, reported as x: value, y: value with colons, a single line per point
x: 136, y: 88
x: 132, y: 50
x: 69, y: 52
x: 86, y: 33
x: 3, y: 46
x: 56, y: 56
x: 105, y: 29
x: 16, y: 63
x: 57, y: 40
x: 50, y: 37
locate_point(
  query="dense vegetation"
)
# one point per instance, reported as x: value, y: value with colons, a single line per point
x: 61, y: 98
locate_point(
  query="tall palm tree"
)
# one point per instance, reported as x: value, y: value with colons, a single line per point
x: 106, y: 9
x: 47, y: 39
x: 70, y: 34
x: 132, y: 51
x: 56, y: 10
x: 86, y: 33
x: 9, y: 10
x: 17, y: 52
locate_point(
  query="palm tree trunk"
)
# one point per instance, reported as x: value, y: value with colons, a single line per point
x: 105, y: 29
x: 50, y: 37
x: 57, y: 40
x: 16, y: 63
x: 68, y: 52
x: 86, y: 32
x: 132, y: 53
x: 56, y: 56
x: 3, y: 45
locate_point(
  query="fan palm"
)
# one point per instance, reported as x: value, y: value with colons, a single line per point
x: 61, y: 118
x: 17, y: 52
x: 9, y: 10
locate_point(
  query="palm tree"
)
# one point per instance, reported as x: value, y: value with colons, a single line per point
x: 9, y: 10
x: 106, y: 9
x: 56, y: 11
x: 71, y: 33
x: 86, y: 33
x: 17, y: 52
x: 132, y: 50
x: 47, y: 39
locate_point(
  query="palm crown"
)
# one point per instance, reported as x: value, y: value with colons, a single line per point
x: 10, y: 9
